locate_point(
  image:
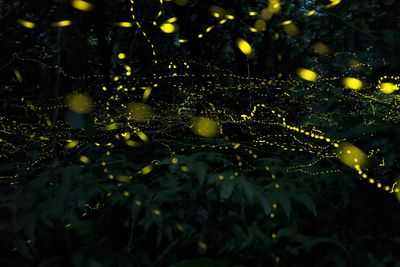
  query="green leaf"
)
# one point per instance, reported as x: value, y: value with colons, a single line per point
x: 200, y: 169
x: 75, y: 120
x: 264, y: 204
x: 168, y: 195
x: 227, y: 187
x: 307, y: 201
x: 282, y: 198
x: 246, y: 187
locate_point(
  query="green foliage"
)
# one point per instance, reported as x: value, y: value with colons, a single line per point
x: 83, y: 214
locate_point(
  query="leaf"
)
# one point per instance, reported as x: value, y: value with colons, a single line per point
x: 168, y: 195
x: 200, y: 169
x: 282, y: 198
x: 306, y: 200
x: 264, y: 204
x: 227, y: 187
x: 266, y: 240
x: 249, y: 239
x: 247, y: 188
x: 75, y: 120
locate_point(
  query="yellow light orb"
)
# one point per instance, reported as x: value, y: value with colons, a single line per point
x: 245, y: 47
x: 388, y: 88
x: 168, y: 28
x: 27, y: 24
x: 307, y: 75
x: 62, y: 23
x: 351, y: 156
x: 397, y: 191
x: 205, y: 127
x: 82, y: 5
x: 80, y: 103
x: 217, y: 11
x: 260, y: 25
x: 352, y: 83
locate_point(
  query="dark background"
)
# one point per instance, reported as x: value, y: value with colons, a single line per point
x: 325, y: 219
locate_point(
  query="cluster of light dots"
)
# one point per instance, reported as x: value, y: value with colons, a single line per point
x: 207, y: 126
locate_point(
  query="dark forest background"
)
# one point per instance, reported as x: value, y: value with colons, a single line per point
x: 190, y: 219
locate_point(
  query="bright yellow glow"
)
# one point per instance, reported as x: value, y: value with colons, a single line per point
x: 168, y: 28
x: 312, y: 12
x: 121, y: 55
x: 112, y: 126
x: 18, y: 75
x: 142, y: 136
x: 139, y: 112
x: 388, y: 88
x: 222, y: 21
x: 333, y: 3
x: 27, y: 24
x: 209, y: 28
x: 274, y: 6
x: 286, y: 22
x: 71, y: 144
x: 171, y: 20
x: 245, y: 47
x: 205, y: 127
x: 307, y: 75
x: 147, y: 169
x: 124, y: 24
x: 217, y: 11
x: 62, y: 23
x: 126, y: 135
x: 146, y: 94
x: 84, y: 159
x: 80, y: 103
x: 82, y: 5
x: 351, y: 155
x: 352, y: 83
x: 252, y: 13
